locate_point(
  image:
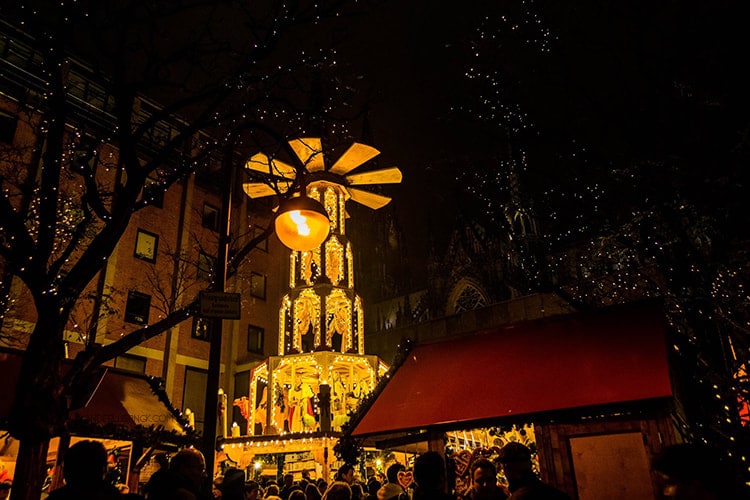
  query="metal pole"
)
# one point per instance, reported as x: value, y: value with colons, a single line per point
x: 210, y: 414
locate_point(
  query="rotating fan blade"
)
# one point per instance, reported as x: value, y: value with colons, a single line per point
x: 383, y: 176
x: 261, y: 189
x: 310, y: 151
x: 353, y: 157
x: 261, y: 163
x: 368, y: 199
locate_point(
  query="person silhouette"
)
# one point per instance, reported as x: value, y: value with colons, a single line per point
x: 484, y: 482
x: 84, y: 469
x: 699, y: 472
x: 156, y: 483
x: 523, y: 483
x: 430, y: 477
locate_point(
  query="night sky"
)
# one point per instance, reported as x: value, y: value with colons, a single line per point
x: 597, y: 87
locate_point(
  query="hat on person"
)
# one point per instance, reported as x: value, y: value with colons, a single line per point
x: 514, y: 452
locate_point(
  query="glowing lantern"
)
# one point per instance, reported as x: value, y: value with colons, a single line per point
x: 302, y: 223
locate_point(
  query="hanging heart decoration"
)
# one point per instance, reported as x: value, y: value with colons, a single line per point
x: 405, y: 478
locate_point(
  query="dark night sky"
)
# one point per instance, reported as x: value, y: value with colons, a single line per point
x: 621, y: 82
x: 406, y: 52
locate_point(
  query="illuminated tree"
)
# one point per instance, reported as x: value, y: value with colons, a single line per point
x: 92, y: 148
x: 624, y: 176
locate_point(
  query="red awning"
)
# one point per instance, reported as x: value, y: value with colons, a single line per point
x: 119, y: 398
x: 565, y: 362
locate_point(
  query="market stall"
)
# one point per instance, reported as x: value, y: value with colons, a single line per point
x: 590, y: 383
x: 127, y: 412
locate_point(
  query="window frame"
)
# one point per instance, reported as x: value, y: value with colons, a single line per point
x: 132, y: 358
x: 8, y: 127
x: 203, y: 274
x: 142, y: 234
x: 260, y: 332
x: 210, y: 209
x: 200, y: 418
x: 263, y: 244
x: 134, y: 294
x: 253, y: 276
x: 199, y: 322
x: 153, y: 187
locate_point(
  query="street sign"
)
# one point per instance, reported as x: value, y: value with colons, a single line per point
x: 222, y: 305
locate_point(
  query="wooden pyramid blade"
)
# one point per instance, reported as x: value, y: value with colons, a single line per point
x: 261, y: 163
x: 368, y: 199
x: 383, y: 176
x: 310, y: 152
x: 261, y: 189
x: 355, y: 156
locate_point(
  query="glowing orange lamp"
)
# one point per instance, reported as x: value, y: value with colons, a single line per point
x: 302, y: 223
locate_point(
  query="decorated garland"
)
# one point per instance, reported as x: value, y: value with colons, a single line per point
x: 348, y: 448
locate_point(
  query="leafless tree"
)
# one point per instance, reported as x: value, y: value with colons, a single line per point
x: 90, y: 137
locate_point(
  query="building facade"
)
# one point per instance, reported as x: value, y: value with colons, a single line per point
x: 165, y: 257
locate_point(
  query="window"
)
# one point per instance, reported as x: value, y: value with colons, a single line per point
x: 258, y: 285
x: 467, y: 295
x: 206, y: 265
x: 263, y: 244
x: 131, y: 363
x: 154, y: 192
x: 194, y: 394
x: 469, y: 299
x: 255, y: 336
x: 146, y: 245
x: 241, y: 388
x: 8, y: 124
x: 210, y: 217
x: 202, y: 328
x: 137, y: 308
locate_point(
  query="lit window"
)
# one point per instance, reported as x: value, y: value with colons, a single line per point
x: 202, y: 329
x: 146, y: 245
x: 131, y: 363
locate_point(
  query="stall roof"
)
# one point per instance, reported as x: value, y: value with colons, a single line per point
x: 120, y: 398
x: 565, y: 362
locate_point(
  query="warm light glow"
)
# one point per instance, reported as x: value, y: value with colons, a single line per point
x: 302, y: 223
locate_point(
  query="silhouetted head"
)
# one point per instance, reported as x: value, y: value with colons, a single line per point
x: 392, y: 472
x: 695, y: 471
x: 429, y: 471
x: 339, y: 490
x: 516, y: 461
x: 190, y: 464
x: 85, y: 462
x: 345, y: 473
x: 233, y: 485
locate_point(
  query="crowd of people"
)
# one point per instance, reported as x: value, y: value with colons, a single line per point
x: 686, y: 471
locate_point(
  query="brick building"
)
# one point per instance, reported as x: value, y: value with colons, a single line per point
x: 162, y: 261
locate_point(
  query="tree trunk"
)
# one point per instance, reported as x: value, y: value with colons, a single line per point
x: 31, y: 469
x: 39, y: 407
